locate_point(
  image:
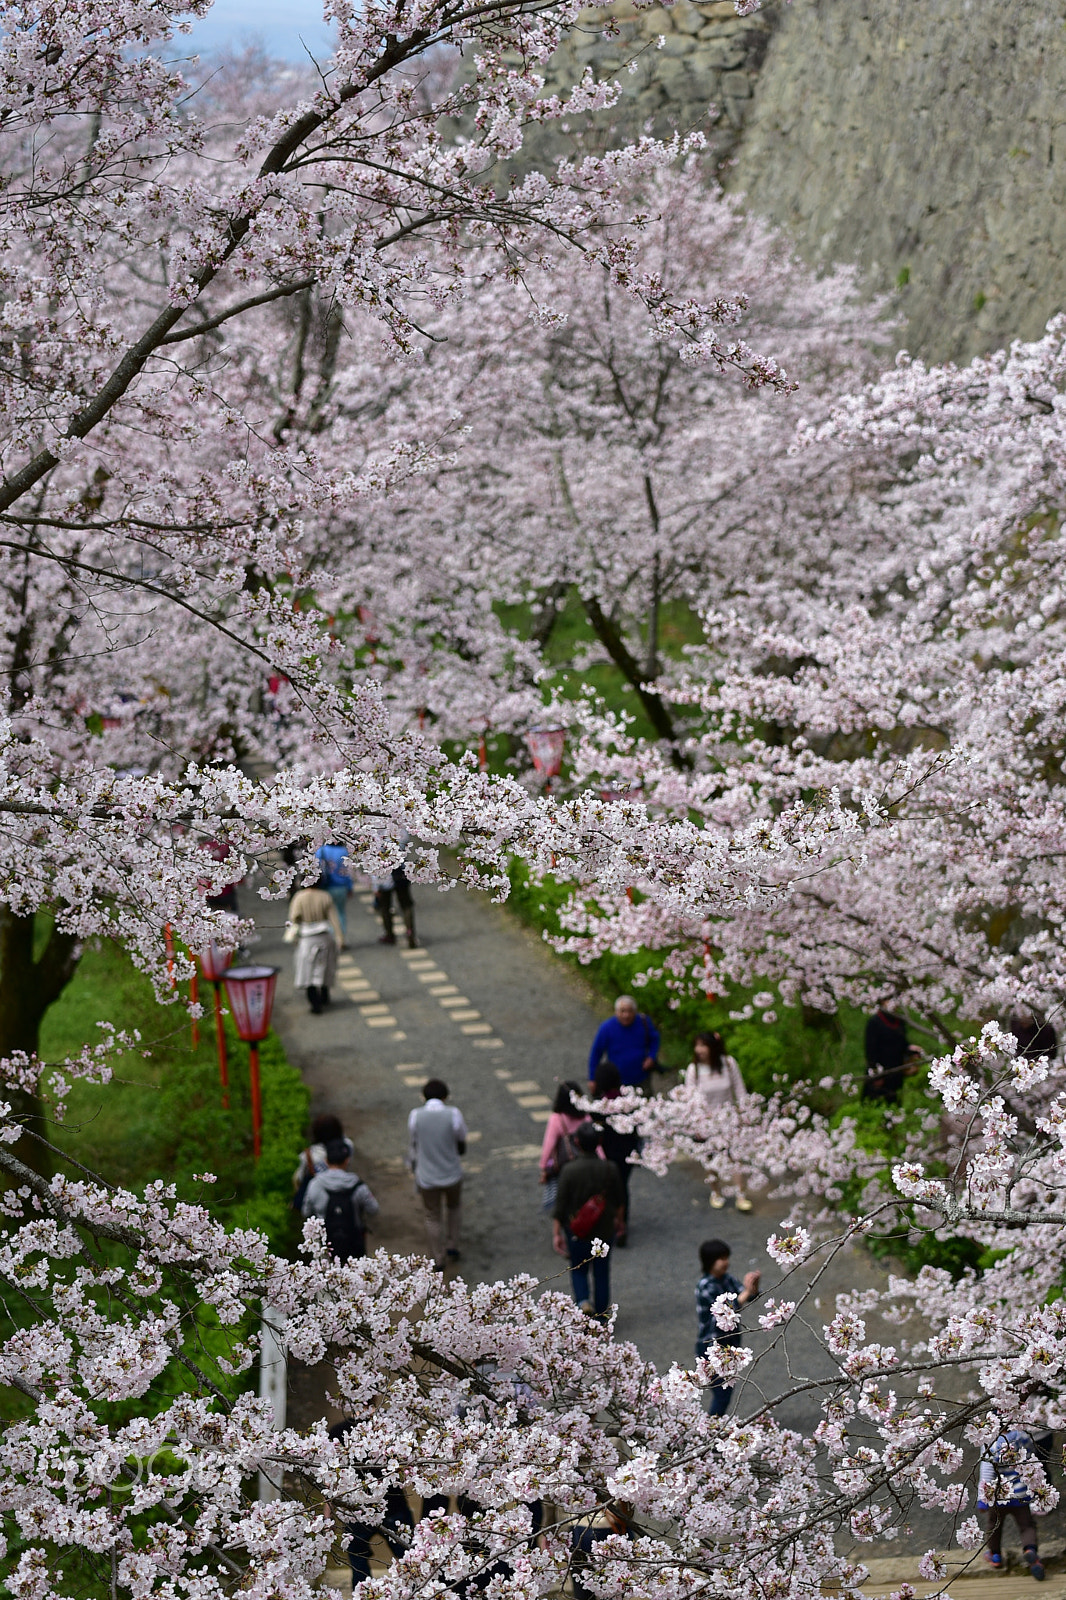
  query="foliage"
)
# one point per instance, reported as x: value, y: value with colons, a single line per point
x: 793, y: 1048
x: 161, y: 1118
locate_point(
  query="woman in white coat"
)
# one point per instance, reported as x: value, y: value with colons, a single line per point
x: 716, y: 1077
x: 315, y: 929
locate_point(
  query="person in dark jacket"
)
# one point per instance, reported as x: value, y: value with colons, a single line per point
x: 1035, y: 1039
x: 613, y: 1518
x: 588, y: 1178
x: 888, y: 1054
x: 395, y: 1527
x: 715, y: 1280
x: 617, y: 1147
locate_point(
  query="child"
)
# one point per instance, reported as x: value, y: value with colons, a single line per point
x: 1001, y: 1489
x: 714, y: 1259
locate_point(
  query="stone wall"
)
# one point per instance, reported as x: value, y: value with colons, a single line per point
x: 923, y: 139
x: 701, y: 78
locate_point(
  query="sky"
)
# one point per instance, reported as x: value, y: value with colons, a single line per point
x: 279, y: 25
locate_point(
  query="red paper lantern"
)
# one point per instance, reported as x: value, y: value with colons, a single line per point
x: 214, y: 961
x: 546, y: 747
x: 250, y: 992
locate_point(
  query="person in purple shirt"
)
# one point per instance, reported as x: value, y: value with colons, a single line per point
x: 629, y: 1040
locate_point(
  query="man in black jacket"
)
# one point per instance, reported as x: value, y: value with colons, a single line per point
x: 887, y: 1055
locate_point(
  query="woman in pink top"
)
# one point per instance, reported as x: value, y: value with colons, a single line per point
x: 559, y: 1147
x: 717, y: 1077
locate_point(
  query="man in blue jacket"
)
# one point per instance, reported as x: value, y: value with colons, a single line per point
x: 629, y: 1040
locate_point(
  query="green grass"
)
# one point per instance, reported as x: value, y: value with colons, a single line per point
x: 161, y: 1117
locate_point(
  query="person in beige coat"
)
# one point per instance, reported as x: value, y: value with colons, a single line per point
x: 315, y: 929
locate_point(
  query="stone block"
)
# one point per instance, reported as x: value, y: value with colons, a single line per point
x: 677, y: 44
x: 721, y: 53
x: 737, y: 85
x: 686, y: 18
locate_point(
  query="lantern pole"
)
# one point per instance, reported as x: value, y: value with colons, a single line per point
x: 220, y: 1040
x: 213, y: 963
x: 194, y: 996
x: 257, y: 1104
x: 250, y: 992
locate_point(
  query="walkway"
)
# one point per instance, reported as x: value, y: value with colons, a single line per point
x: 485, y: 1006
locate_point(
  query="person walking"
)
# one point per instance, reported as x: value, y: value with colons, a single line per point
x: 612, y: 1518
x: 629, y: 1040
x: 888, y: 1054
x: 325, y: 1129
x: 716, y: 1280
x: 559, y: 1147
x: 314, y: 929
x: 716, y: 1077
x: 395, y: 884
x: 343, y: 1201
x: 436, y: 1139
x: 589, y: 1205
x: 395, y: 1526
x: 333, y: 859
x: 1001, y: 1490
x: 616, y: 1146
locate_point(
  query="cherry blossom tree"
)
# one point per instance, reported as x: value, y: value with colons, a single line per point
x: 130, y: 1464
x: 181, y: 416
x: 181, y: 428
x: 938, y: 677
x: 616, y: 470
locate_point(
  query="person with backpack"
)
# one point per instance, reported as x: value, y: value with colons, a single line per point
x: 589, y: 1205
x: 343, y: 1201
x: 630, y: 1041
x: 559, y: 1146
x: 324, y: 1128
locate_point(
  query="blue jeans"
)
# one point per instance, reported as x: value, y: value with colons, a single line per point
x: 717, y: 1398
x: 339, y: 893
x: 580, y: 1262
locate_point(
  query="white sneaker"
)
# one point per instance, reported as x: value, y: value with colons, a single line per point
x: 743, y: 1203
x: 717, y: 1200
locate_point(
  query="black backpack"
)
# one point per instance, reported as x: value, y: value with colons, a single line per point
x: 344, y: 1226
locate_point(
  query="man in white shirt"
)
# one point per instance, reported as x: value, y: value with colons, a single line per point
x: 436, y: 1139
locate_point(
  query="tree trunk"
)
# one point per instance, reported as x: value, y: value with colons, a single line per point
x: 620, y: 654
x: 27, y: 989
x: 651, y: 670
